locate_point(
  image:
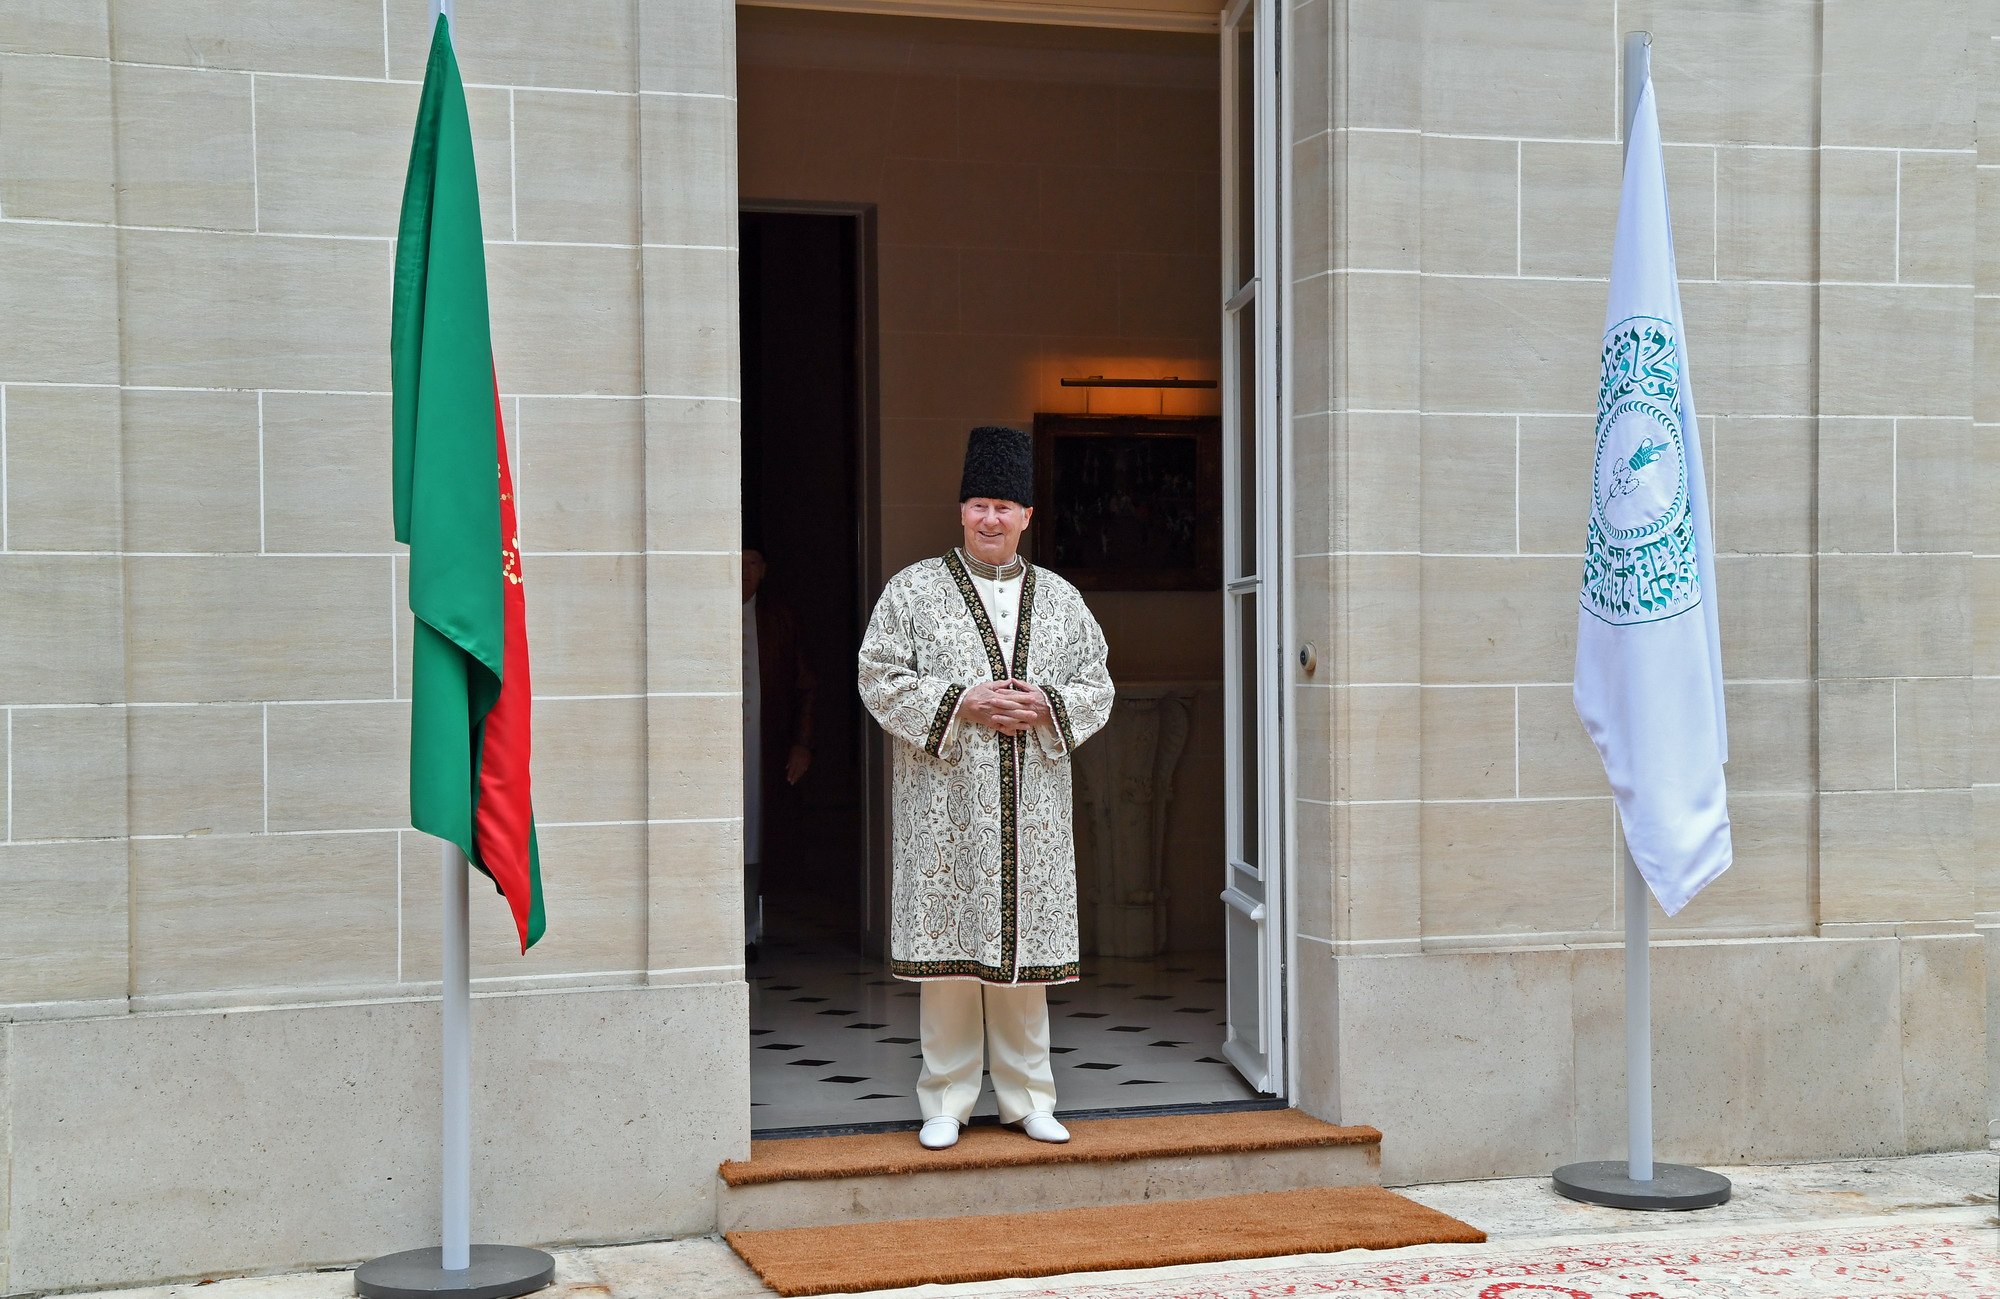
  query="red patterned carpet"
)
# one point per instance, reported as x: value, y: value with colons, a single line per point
x: 1883, y: 1260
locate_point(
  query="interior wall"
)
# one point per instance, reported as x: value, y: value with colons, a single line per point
x: 1047, y: 206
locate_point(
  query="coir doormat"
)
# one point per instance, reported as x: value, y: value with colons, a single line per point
x: 887, y: 1255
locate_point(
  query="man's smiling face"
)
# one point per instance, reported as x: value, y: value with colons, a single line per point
x: 993, y: 528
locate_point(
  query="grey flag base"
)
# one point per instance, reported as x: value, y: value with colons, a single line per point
x: 497, y: 1272
x: 1674, y: 1186
x: 478, y: 1271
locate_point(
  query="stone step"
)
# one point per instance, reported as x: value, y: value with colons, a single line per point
x: 879, y: 1177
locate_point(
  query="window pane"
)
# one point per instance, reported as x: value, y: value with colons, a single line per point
x: 1247, y: 559
x: 1245, y: 161
x: 1248, y: 652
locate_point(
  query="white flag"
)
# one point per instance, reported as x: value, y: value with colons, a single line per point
x: 1648, y: 656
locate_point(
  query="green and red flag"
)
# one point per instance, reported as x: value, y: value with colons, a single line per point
x: 469, y: 717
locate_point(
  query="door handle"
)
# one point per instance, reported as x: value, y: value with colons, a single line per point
x: 1243, y: 902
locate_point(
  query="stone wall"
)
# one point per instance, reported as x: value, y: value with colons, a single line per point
x: 1981, y: 479
x: 204, y: 645
x: 215, y: 964
x: 1457, y: 175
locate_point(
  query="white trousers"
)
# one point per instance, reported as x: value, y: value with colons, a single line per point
x: 1014, y: 1023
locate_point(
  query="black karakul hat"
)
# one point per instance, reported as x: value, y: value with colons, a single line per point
x: 999, y: 465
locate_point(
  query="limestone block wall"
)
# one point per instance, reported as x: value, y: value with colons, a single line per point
x: 204, y: 641
x: 1457, y: 172
x: 1982, y: 483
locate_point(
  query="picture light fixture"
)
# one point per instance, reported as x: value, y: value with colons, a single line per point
x: 1171, y: 381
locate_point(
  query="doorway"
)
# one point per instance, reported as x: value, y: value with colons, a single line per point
x: 805, y: 423
x: 1044, y: 208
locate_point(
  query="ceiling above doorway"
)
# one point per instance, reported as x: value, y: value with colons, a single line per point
x: 1149, y: 15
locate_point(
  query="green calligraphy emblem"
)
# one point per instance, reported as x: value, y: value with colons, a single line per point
x: 1639, y: 558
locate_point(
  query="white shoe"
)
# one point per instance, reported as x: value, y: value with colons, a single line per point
x: 941, y: 1133
x: 1043, y: 1127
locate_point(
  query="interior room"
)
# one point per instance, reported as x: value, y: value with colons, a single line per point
x: 949, y: 224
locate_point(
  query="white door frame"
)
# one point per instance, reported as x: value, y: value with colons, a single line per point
x: 1256, y: 569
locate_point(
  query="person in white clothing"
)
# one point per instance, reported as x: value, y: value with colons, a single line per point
x: 990, y: 671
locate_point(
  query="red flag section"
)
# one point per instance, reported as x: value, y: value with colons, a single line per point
x: 505, y: 818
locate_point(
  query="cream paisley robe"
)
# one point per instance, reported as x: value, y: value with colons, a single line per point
x: 982, y: 850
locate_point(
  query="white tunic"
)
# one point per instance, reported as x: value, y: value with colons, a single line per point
x: 1001, y: 594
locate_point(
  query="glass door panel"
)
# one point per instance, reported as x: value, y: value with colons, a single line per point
x: 1248, y: 516
x: 1250, y: 924
x: 1249, y: 793
x: 1240, y: 51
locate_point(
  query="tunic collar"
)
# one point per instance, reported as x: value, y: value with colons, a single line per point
x: 955, y: 561
x: 992, y: 573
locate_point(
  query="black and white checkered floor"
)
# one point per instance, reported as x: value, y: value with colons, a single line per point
x: 833, y: 1039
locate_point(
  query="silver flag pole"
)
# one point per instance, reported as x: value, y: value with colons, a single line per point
x: 1638, y: 898
x: 455, y: 1268
x: 1638, y: 1182
x: 456, y: 1059
x: 1638, y: 1022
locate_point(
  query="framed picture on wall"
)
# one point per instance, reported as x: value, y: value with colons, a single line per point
x: 1130, y: 502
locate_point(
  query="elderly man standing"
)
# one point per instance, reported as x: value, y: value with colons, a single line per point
x: 990, y: 671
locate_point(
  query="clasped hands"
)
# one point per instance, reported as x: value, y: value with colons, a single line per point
x: 1009, y: 707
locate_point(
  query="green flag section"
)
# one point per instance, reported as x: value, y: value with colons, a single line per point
x: 470, y: 737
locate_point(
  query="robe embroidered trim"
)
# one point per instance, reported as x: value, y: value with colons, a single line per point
x: 1024, y: 628
x: 1010, y: 854
x: 918, y: 971
x: 977, y: 608
x: 1062, y: 716
x: 941, y: 721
